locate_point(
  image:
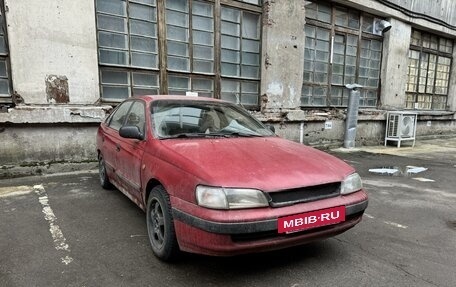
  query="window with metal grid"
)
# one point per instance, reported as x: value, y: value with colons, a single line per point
x: 177, y: 46
x: 340, y: 48
x: 5, y: 79
x: 429, y: 66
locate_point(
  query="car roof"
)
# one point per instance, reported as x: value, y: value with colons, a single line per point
x: 151, y: 98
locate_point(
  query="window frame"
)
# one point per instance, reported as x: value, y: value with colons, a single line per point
x: 330, y: 24
x: 416, y: 99
x: 165, y: 75
x: 5, y: 98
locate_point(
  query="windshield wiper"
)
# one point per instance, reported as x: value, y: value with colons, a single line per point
x: 194, y: 135
x: 242, y: 134
x: 184, y: 135
x: 208, y: 135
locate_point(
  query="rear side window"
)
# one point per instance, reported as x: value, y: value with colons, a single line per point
x: 136, y: 116
x: 119, y: 115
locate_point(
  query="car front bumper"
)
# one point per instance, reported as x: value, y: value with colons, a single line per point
x: 244, y: 231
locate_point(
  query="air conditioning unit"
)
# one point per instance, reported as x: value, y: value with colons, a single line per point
x: 400, y: 126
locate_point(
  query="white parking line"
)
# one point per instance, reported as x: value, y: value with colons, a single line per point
x: 388, y: 222
x: 11, y: 191
x: 395, y: 224
x: 54, y: 229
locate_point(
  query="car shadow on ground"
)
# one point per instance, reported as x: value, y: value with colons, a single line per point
x: 259, y: 263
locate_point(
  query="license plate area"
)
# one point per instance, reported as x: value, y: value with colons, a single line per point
x: 311, y: 219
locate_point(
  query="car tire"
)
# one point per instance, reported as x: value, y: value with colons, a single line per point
x: 104, y: 179
x: 160, y: 225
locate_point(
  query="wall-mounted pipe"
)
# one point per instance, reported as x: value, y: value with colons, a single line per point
x: 352, y: 115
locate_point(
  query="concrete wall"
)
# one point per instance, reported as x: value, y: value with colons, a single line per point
x: 49, y: 139
x: 68, y: 143
x: 377, y: 8
x: 53, y: 37
x: 452, y: 90
x: 396, y: 45
x: 46, y: 148
x: 283, y: 54
x: 444, y: 10
x: 54, y: 68
x: 434, y: 128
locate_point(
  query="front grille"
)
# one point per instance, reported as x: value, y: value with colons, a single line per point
x: 304, y: 194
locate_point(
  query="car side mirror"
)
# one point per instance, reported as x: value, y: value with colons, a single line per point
x: 131, y: 132
x: 271, y: 128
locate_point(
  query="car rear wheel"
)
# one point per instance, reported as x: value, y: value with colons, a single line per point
x: 104, y: 179
x: 160, y: 225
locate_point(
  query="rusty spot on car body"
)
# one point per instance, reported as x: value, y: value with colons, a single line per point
x: 57, y: 89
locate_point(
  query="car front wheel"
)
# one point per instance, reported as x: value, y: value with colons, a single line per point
x: 160, y: 225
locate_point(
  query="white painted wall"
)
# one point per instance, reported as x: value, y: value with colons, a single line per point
x: 53, y: 37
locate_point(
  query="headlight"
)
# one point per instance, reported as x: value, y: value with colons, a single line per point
x: 351, y: 184
x: 229, y: 198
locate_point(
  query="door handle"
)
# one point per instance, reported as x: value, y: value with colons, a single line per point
x: 117, y: 147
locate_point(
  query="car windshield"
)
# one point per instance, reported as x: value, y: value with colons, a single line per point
x: 187, y: 118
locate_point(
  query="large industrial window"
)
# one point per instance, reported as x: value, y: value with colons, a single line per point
x: 240, y: 56
x: 430, y: 58
x: 190, y: 47
x: 341, y: 47
x: 127, y: 48
x: 176, y: 46
x: 5, y: 80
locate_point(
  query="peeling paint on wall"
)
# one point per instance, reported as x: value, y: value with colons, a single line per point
x: 267, y: 20
x: 291, y: 96
x: 57, y: 89
x: 267, y: 61
x: 275, y: 89
x: 264, y: 102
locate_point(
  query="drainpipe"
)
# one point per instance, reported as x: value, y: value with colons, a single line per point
x: 301, y: 133
x: 352, y: 115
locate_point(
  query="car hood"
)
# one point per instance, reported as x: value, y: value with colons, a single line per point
x: 266, y: 163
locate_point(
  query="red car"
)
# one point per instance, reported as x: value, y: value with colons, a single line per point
x: 214, y: 180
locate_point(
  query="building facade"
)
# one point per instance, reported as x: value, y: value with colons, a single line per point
x: 64, y: 64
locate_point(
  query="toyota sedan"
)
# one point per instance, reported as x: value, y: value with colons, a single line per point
x: 214, y: 180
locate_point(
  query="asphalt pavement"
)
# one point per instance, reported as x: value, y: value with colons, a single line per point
x: 65, y: 230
